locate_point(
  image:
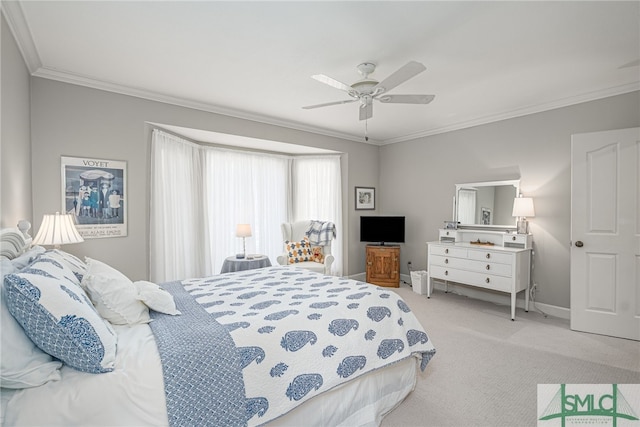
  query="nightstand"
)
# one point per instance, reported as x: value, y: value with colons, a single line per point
x: 249, y: 263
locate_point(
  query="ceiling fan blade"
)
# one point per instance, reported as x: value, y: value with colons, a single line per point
x: 630, y: 64
x: 403, y: 74
x: 366, y: 111
x: 406, y: 99
x: 309, y: 107
x: 331, y: 82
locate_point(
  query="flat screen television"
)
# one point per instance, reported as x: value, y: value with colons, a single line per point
x: 382, y: 229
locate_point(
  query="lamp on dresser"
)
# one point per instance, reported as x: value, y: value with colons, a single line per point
x: 57, y: 229
x: 523, y: 208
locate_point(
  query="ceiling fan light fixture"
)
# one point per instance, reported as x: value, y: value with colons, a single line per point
x: 366, y: 89
x: 365, y: 86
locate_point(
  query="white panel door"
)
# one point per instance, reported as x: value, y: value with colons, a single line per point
x: 605, y: 236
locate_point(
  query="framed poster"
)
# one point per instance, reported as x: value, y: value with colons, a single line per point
x: 95, y: 192
x: 365, y: 198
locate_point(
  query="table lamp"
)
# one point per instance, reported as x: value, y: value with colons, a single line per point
x: 523, y: 208
x: 57, y: 229
x: 244, y: 231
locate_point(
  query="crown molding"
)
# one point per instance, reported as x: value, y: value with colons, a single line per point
x: 12, y: 11
x: 67, y: 77
x: 519, y: 112
x: 75, y: 79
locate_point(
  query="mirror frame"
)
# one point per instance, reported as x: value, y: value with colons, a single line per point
x: 514, y: 182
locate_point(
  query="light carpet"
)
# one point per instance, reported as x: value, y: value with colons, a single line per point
x: 487, y: 368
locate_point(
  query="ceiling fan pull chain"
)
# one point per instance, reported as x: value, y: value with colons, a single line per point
x: 366, y: 130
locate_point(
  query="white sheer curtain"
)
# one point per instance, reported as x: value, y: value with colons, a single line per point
x: 199, y: 194
x: 317, y: 194
x: 245, y: 188
x: 176, y: 221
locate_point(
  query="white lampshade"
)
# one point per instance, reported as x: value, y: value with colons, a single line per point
x: 57, y: 229
x: 523, y: 207
x: 243, y: 230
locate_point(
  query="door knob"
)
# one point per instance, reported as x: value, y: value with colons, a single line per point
x: 579, y: 244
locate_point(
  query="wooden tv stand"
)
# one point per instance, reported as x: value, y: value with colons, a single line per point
x: 383, y: 265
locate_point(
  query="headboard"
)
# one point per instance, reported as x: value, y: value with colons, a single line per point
x: 14, y: 241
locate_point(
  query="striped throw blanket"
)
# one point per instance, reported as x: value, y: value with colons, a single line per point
x: 321, y: 232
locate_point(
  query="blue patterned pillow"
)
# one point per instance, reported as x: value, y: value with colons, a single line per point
x: 78, y: 267
x: 48, y: 302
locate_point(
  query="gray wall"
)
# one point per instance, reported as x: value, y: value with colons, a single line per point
x: 72, y: 120
x: 535, y: 149
x: 77, y: 121
x: 15, y: 146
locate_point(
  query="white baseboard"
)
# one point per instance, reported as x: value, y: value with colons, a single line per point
x: 361, y: 277
x: 494, y: 297
x: 554, y: 310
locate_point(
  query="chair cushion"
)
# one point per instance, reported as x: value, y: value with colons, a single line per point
x: 299, y: 251
x: 310, y: 265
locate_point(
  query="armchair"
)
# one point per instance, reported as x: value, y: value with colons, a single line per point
x: 296, y: 232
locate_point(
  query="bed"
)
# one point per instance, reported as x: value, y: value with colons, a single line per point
x: 276, y: 346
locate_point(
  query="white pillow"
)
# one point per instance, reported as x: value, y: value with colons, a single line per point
x: 156, y: 298
x: 22, y: 363
x: 47, y: 301
x: 113, y: 294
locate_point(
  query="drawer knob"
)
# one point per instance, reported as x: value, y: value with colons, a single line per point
x: 446, y: 251
x: 446, y: 260
x: 513, y: 238
x: 446, y: 273
x: 488, y: 256
x: 488, y: 266
x: 487, y: 280
x: 447, y: 233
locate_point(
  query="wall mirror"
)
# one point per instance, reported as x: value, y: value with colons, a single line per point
x: 485, y: 204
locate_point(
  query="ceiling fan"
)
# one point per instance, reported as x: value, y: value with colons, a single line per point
x: 367, y: 89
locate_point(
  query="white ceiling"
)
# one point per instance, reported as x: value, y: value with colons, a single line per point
x: 485, y: 61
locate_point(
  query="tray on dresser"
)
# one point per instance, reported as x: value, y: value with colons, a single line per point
x: 478, y: 242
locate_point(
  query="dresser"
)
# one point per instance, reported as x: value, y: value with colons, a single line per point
x: 492, y: 260
x: 383, y: 265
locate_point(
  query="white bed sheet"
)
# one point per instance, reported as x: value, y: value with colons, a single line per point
x: 133, y: 394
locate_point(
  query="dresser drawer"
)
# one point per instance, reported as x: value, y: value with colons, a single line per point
x: 471, y: 265
x: 492, y: 256
x: 487, y: 281
x: 445, y: 250
x: 521, y: 241
x: 448, y: 235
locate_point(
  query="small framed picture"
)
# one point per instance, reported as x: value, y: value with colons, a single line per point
x: 365, y: 198
x: 486, y: 216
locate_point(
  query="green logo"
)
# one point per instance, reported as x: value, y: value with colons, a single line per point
x: 586, y: 404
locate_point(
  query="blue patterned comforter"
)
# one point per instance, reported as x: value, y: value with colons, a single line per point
x: 294, y: 334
